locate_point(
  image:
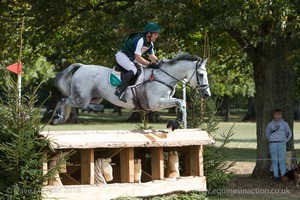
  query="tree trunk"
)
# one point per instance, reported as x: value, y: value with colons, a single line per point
x: 251, y: 110
x: 274, y: 83
x: 226, y: 106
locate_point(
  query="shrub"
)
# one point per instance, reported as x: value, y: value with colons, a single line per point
x: 22, y: 149
x: 201, y: 113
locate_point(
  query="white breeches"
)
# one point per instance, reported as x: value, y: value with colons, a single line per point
x: 125, y: 62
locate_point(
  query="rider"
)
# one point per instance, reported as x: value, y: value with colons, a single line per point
x: 131, y: 52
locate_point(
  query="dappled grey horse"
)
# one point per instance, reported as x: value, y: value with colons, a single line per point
x: 83, y: 84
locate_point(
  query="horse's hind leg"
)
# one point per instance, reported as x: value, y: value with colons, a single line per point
x: 58, y: 113
x: 63, y: 108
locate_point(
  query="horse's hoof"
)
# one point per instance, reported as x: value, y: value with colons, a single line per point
x: 169, y: 124
x: 57, y: 121
x: 54, y: 122
x: 173, y: 124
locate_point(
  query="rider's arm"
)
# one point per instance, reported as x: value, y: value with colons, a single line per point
x: 138, y: 53
x: 153, y: 58
x: 141, y: 60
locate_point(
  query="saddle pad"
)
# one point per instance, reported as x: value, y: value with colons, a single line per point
x: 114, y: 78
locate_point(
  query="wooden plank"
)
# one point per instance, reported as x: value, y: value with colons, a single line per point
x: 157, y: 163
x: 68, y: 180
x: 127, y: 165
x: 87, y: 166
x: 116, y: 190
x: 196, y: 161
x: 125, y: 138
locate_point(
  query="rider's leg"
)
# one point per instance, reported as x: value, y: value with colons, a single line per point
x: 120, y: 92
x: 127, y: 64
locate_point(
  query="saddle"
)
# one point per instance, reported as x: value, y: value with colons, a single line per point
x: 139, y: 94
x: 122, y: 71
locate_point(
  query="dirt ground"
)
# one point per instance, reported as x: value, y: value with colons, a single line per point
x: 243, y: 186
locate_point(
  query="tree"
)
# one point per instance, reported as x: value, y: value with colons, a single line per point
x: 230, y: 72
x: 267, y: 31
x: 73, y: 31
x: 22, y: 148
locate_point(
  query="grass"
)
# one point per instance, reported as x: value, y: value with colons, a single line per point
x: 102, y: 121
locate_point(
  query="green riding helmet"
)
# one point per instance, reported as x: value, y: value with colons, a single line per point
x: 152, y: 28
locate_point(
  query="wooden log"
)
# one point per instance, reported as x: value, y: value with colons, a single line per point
x: 116, y: 190
x: 125, y: 138
x: 173, y: 165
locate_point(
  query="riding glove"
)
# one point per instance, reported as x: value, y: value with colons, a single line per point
x: 154, y: 65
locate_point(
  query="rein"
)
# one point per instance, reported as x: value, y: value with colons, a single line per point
x: 202, y: 87
x: 152, y: 78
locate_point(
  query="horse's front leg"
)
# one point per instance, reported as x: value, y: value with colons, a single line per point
x: 179, y: 103
x: 175, y: 124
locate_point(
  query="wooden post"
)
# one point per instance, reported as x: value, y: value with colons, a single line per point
x: 55, y: 181
x: 157, y: 163
x: 87, y: 166
x: 45, y: 167
x: 127, y: 165
x: 196, y: 160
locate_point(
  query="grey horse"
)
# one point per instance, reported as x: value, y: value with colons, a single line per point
x: 83, y: 84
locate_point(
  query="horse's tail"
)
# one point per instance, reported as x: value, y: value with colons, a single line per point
x: 64, y: 78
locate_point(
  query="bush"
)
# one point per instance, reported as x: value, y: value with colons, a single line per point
x: 21, y: 147
x: 201, y: 113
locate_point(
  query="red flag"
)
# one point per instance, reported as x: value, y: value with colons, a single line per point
x: 14, y: 67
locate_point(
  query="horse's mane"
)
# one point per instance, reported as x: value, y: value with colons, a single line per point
x: 183, y: 56
x: 186, y: 56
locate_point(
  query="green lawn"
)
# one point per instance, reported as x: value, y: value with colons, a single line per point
x: 102, y: 121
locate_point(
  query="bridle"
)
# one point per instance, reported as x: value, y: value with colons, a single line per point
x: 202, y: 87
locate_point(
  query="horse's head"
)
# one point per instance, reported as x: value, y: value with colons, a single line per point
x: 202, y: 79
x: 192, y: 69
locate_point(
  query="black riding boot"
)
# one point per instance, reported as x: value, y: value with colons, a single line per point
x: 120, y: 92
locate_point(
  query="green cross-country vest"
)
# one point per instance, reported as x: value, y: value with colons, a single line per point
x: 128, y: 46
